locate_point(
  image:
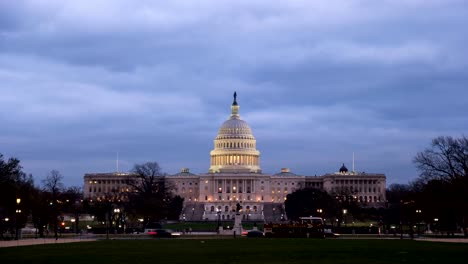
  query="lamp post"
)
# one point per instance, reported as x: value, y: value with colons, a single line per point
x: 345, y: 211
x: 17, y: 213
x: 219, y: 218
x: 116, y: 217
x: 418, y: 213
x: 75, y: 229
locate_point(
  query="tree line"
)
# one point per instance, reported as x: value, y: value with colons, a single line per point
x: 45, y: 206
x: 436, y: 200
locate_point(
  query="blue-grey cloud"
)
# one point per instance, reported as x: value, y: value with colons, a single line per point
x: 317, y: 81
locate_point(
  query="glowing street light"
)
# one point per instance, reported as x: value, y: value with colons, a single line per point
x: 18, y: 211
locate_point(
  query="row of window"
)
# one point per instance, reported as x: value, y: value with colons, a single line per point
x: 235, y: 145
x: 233, y: 208
x: 189, y: 183
x: 355, y: 181
x: 107, y: 190
x: 107, y: 182
x: 359, y: 189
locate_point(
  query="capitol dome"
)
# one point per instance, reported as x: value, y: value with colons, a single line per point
x: 234, y: 127
x: 235, y: 146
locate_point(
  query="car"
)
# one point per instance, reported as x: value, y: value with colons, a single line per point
x: 255, y: 233
x: 163, y: 233
x: 328, y: 233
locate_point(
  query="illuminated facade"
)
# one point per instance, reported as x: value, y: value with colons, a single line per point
x: 235, y: 177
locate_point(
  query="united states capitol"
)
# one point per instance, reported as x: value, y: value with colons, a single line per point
x: 235, y: 177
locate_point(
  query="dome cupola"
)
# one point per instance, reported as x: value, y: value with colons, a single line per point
x: 343, y: 169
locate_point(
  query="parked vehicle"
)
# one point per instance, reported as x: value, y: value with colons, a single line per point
x: 255, y: 233
x: 162, y: 233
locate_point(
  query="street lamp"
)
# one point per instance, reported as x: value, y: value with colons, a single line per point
x: 18, y: 211
x: 117, y: 216
x: 219, y: 217
x: 73, y: 220
x: 345, y: 211
x: 418, y: 212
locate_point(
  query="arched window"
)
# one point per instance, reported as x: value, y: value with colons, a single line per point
x: 226, y: 208
x: 255, y: 208
x: 212, y: 209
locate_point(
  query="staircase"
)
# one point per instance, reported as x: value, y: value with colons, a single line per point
x: 273, y: 212
x: 192, y: 212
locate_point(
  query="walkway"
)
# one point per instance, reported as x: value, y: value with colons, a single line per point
x: 41, y: 241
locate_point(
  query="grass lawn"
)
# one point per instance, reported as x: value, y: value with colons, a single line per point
x: 241, y: 250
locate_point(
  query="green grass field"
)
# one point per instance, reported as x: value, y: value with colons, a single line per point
x: 241, y: 250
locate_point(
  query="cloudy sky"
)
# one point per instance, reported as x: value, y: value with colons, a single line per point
x: 81, y: 81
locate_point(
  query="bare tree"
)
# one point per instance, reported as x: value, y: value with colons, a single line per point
x: 445, y: 163
x: 147, y: 178
x: 152, y: 195
x: 446, y: 159
x: 53, y: 184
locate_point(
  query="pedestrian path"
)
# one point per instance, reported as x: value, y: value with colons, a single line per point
x: 41, y: 241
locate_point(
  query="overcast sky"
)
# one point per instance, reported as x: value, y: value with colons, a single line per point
x: 153, y: 81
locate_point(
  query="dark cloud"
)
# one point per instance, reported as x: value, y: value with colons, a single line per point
x: 317, y: 81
